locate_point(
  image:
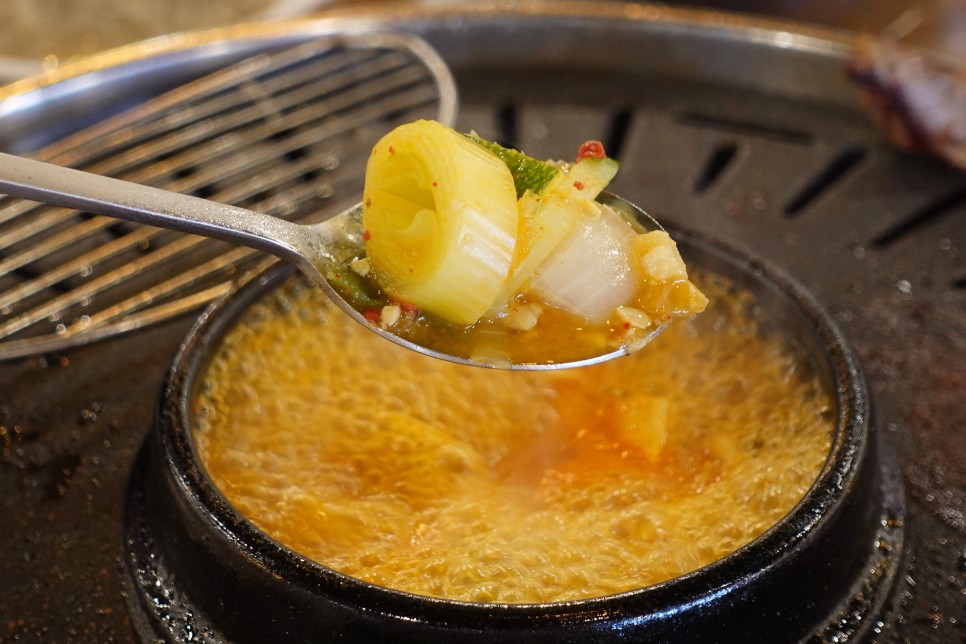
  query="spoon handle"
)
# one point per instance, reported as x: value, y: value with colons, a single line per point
x: 60, y: 186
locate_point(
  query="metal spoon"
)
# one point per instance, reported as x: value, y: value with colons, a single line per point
x: 314, y: 249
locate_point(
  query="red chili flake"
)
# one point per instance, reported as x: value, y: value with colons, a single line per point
x: 409, y: 310
x: 591, y: 150
x: 435, y: 184
x: 366, y: 235
x: 372, y: 316
x: 627, y: 325
x: 579, y: 185
x: 392, y: 150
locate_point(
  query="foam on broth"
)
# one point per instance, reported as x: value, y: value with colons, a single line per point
x: 499, y: 486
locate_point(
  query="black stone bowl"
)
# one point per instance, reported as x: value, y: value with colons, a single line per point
x: 199, y: 571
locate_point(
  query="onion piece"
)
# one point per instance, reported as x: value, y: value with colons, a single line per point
x: 590, y: 272
x: 548, y: 217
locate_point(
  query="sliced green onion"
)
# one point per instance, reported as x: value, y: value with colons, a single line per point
x: 355, y: 288
x: 528, y: 173
x: 440, y: 214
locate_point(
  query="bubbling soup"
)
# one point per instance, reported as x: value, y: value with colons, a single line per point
x: 509, y: 486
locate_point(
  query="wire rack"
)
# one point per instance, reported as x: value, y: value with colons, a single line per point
x: 286, y: 133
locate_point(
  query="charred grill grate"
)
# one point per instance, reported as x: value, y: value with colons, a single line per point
x: 285, y: 133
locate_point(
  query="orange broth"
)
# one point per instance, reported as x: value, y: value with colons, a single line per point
x: 513, y: 487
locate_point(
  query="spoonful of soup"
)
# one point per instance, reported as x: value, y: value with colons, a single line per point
x: 461, y: 249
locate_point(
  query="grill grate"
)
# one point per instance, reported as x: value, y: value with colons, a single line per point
x: 285, y: 133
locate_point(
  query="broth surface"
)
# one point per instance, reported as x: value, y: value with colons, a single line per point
x: 509, y: 486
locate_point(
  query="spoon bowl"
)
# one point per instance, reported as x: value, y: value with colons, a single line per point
x: 315, y: 249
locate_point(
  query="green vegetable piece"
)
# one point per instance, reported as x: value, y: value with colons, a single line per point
x: 528, y: 173
x: 355, y: 289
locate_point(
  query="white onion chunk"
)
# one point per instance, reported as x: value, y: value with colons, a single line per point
x: 590, y: 274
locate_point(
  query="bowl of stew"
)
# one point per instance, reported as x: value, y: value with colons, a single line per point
x: 306, y: 480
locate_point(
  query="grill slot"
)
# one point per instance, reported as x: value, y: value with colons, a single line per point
x: 837, y: 169
x: 506, y: 120
x: 719, y: 160
x: 285, y: 133
x: 617, y: 134
x: 944, y: 206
